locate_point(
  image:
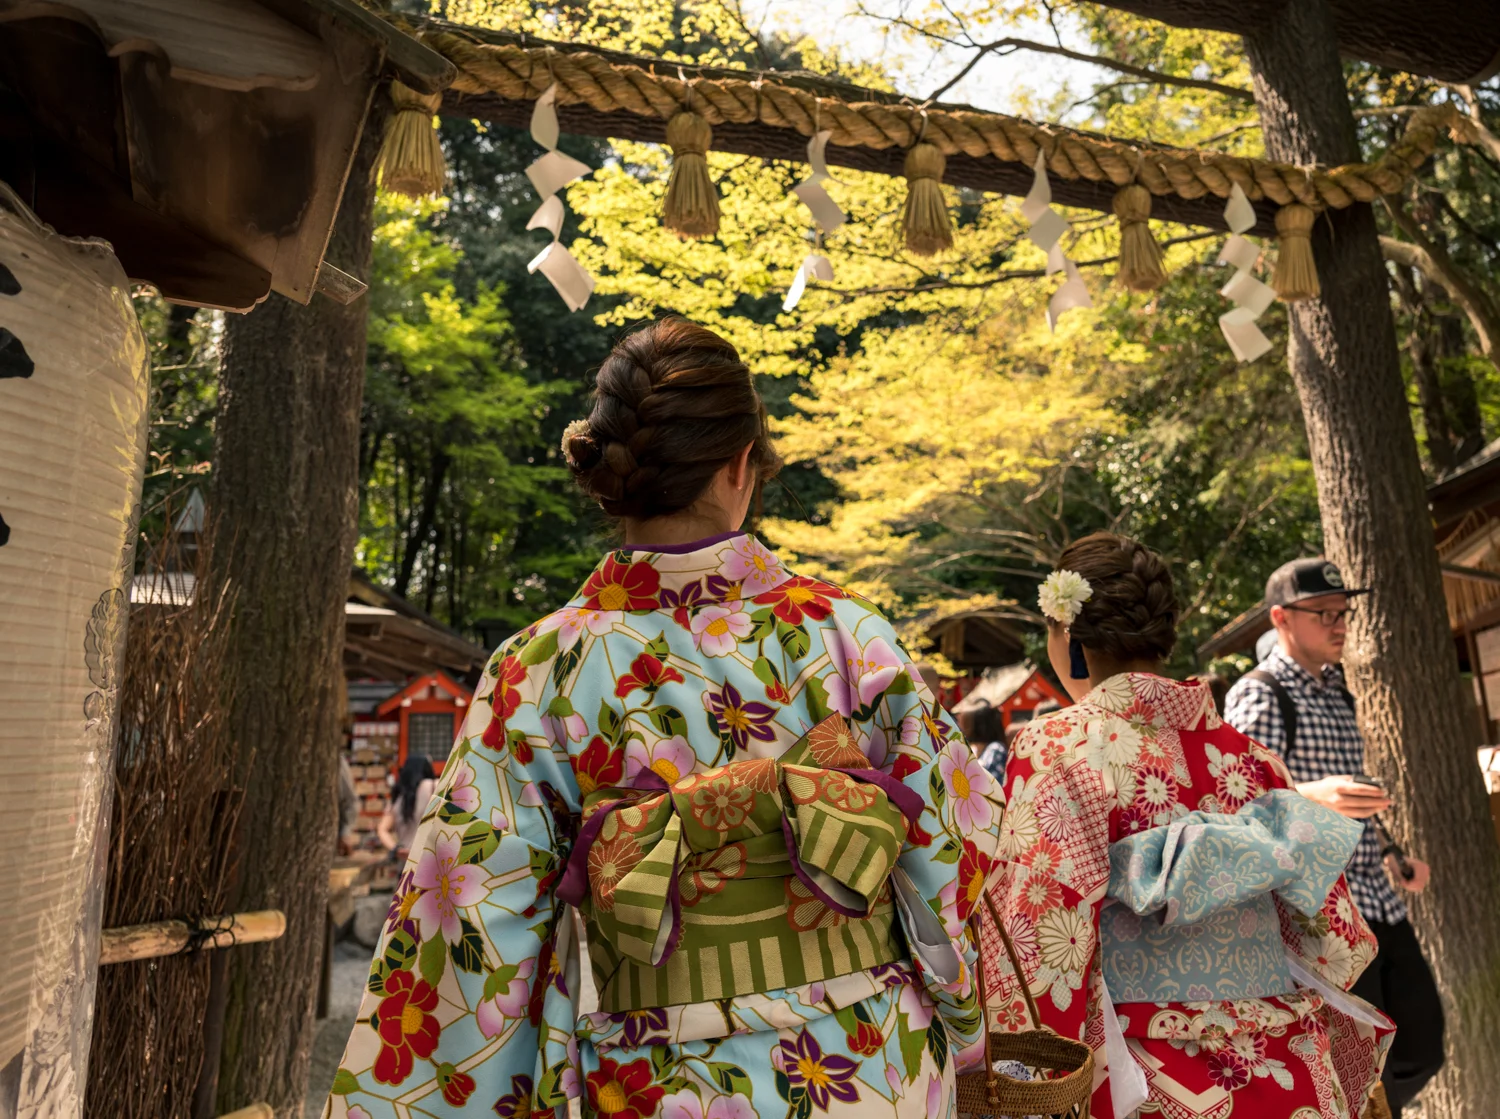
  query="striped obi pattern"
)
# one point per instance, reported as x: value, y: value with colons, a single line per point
x: 757, y: 875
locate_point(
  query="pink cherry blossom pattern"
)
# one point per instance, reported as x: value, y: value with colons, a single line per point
x: 751, y: 563
x: 718, y: 630
x: 969, y: 785
x: 512, y: 992
x: 447, y: 886
x: 861, y: 672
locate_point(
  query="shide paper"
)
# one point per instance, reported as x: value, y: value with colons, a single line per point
x: 826, y: 215
x: 548, y: 175
x: 1047, y: 229
x: 1249, y: 296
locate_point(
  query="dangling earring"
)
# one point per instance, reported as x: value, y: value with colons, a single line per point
x: 1077, y: 665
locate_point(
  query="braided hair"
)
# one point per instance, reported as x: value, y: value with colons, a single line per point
x: 1132, y: 612
x: 673, y: 403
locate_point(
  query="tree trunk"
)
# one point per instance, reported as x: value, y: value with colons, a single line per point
x: 1376, y: 526
x: 420, y: 534
x: 285, y: 491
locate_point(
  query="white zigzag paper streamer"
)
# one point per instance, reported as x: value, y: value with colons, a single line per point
x: 825, y: 210
x: 548, y: 175
x: 1047, y: 229
x: 826, y: 215
x: 1249, y: 296
x: 814, y: 266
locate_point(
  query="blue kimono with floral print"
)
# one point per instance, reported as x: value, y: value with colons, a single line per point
x: 665, y: 665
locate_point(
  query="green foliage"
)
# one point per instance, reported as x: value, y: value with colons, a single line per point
x: 183, y: 344
x: 451, y: 458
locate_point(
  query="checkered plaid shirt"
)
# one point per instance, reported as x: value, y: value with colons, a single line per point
x: 1328, y: 743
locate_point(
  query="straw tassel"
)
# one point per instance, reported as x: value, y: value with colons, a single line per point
x: 1296, y: 276
x: 411, y: 158
x: 1140, y: 256
x: 692, y: 205
x: 925, y: 223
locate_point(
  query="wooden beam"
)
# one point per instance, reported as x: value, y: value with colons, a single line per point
x: 168, y: 938
x: 1477, y: 574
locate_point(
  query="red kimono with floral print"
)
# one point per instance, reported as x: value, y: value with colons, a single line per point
x: 1138, y: 752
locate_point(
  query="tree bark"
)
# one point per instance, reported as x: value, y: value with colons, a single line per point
x: 1376, y: 526
x: 285, y: 490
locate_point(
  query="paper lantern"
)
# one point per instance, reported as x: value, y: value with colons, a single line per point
x: 73, y: 414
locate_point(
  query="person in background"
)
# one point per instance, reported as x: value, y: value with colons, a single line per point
x: 988, y: 736
x: 348, y: 807
x: 1295, y: 703
x: 414, y: 785
x: 1217, y: 686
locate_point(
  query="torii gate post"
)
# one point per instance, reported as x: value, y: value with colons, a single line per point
x: 1376, y: 526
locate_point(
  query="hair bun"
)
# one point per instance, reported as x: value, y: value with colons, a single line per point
x: 673, y: 404
x: 1132, y: 613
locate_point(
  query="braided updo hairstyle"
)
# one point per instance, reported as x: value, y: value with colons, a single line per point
x: 673, y: 403
x: 1132, y: 613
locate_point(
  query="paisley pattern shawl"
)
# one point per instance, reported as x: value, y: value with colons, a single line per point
x: 694, y: 739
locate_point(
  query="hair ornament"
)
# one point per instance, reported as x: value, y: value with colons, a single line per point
x: 1062, y: 596
x: 578, y: 429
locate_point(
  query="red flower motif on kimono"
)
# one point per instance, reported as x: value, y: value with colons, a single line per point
x: 646, y: 672
x: 510, y: 674
x: 599, y: 766
x: 866, y: 1040
x: 457, y: 1086
x: 624, y: 1090
x: 548, y: 974
x: 903, y: 767
x: 1038, y: 895
x: 1228, y: 1069
x: 823, y: 1076
x: 622, y: 586
x: 973, y: 865
x: 406, y: 1027
x: 917, y: 835
x: 799, y: 598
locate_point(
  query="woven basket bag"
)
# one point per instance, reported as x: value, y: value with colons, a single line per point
x: 1065, y: 1068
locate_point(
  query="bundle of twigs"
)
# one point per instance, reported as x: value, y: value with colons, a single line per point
x: 169, y: 841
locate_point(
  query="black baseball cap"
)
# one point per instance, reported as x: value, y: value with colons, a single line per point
x: 1306, y: 578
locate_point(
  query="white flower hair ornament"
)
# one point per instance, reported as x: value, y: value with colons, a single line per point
x: 578, y: 429
x: 1062, y: 596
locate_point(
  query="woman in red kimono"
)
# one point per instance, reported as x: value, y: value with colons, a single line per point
x: 1173, y: 902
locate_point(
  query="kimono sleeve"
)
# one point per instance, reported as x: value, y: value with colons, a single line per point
x: 948, y: 853
x: 1054, y: 842
x: 454, y: 1006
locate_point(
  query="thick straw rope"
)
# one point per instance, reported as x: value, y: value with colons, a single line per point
x: 520, y: 74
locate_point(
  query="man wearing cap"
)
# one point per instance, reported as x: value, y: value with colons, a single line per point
x: 1295, y: 703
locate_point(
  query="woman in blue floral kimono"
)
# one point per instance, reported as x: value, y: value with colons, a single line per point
x: 737, y: 778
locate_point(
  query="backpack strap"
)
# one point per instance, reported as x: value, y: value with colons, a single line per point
x: 1284, y: 702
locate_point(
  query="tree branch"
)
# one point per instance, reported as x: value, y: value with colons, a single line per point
x: 1433, y: 261
x: 1476, y: 132
x: 1002, y: 277
x: 1011, y: 45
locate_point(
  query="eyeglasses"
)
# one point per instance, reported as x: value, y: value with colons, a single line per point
x: 1326, y: 618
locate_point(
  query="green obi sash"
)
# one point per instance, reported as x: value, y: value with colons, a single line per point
x: 757, y: 875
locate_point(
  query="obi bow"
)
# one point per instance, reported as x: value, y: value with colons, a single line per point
x: 738, y: 843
